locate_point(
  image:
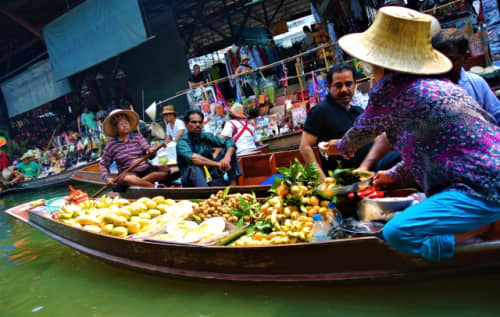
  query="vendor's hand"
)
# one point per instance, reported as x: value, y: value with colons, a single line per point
x: 225, y: 164
x: 110, y: 181
x: 329, y: 147
x: 382, y: 180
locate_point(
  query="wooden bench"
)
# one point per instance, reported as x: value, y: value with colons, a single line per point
x: 256, y: 168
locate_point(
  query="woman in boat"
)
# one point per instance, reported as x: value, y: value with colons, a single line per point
x: 448, y: 142
x: 26, y: 170
x: 125, y: 147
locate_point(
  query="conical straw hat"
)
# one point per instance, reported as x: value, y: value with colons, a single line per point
x: 399, y: 40
x: 151, y: 111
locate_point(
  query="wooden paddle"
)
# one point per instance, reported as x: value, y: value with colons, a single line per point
x: 122, y: 174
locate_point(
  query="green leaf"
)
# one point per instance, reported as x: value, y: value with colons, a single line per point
x: 236, y: 212
x: 197, y: 218
x: 240, y: 222
x: 244, y: 206
x: 225, y: 192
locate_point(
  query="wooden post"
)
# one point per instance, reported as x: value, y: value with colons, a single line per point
x: 299, y: 75
x: 326, y: 59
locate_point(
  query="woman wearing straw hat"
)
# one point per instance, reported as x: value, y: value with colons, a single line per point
x: 125, y: 147
x: 174, y: 127
x: 241, y: 131
x: 26, y: 170
x: 448, y: 142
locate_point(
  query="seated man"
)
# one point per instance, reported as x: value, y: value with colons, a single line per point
x: 26, y: 170
x: 195, y: 159
x: 332, y: 118
x: 125, y: 148
x: 240, y: 131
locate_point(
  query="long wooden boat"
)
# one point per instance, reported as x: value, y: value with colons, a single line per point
x: 256, y: 169
x: 353, y: 259
x: 63, y: 178
x: 285, y: 142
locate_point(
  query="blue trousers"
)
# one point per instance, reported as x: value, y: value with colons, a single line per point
x: 194, y: 176
x: 427, y: 229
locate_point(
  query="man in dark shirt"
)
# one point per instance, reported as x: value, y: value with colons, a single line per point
x: 195, y: 156
x: 196, y: 78
x: 331, y: 119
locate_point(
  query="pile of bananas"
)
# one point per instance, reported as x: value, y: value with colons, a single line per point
x: 118, y: 217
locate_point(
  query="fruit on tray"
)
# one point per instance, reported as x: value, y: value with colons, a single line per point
x: 119, y: 217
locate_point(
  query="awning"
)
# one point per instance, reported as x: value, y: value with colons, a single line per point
x: 33, y: 88
x: 91, y: 33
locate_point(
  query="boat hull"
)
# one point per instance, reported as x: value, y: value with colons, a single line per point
x: 60, y: 179
x: 366, y: 259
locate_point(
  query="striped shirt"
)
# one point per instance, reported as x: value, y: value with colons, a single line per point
x: 124, y: 154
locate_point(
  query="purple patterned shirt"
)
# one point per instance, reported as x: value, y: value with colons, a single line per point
x: 124, y: 154
x: 446, y: 139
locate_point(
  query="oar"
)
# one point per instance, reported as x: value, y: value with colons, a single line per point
x: 122, y: 174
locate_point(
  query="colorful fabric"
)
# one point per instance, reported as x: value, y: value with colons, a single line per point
x: 204, y: 146
x: 4, y: 160
x: 29, y: 170
x: 446, y: 140
x: 427, y: 229
x: 479, y: 89
x: 124, y: 154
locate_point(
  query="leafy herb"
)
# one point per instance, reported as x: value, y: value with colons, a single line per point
x: 264, y: 226
x: 225, y: 192
x: 246, y: 209
x: 298, y: 173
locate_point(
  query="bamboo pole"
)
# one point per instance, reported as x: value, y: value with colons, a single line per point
x: 431, y: 10
x: 261, y: 68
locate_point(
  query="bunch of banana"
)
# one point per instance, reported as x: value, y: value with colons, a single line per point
x: 118, y: 217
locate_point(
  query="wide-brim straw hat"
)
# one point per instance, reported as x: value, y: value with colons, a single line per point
x: 110, y: 130
x: 244, y: 57
x: 168, y: 110
x: 398, y: 40
x: 27, y: 155
x: 238, y: 111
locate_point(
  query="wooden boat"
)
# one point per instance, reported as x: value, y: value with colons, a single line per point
x: 63, y: 178
x: 353, y: 259
x: 285, y: 142
x: 256, y: 169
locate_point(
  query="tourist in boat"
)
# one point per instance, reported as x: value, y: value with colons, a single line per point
x: 241, y: 131
x: 174, y: 127
x: 124, y: 148
x: 331, y: 119
x: 195, y: 156
x: 448, y: 142
x: 26, y: 170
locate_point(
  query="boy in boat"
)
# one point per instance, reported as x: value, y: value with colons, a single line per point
x: 125, y: 147
x: 195, y: 151
x: 241, y: 131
